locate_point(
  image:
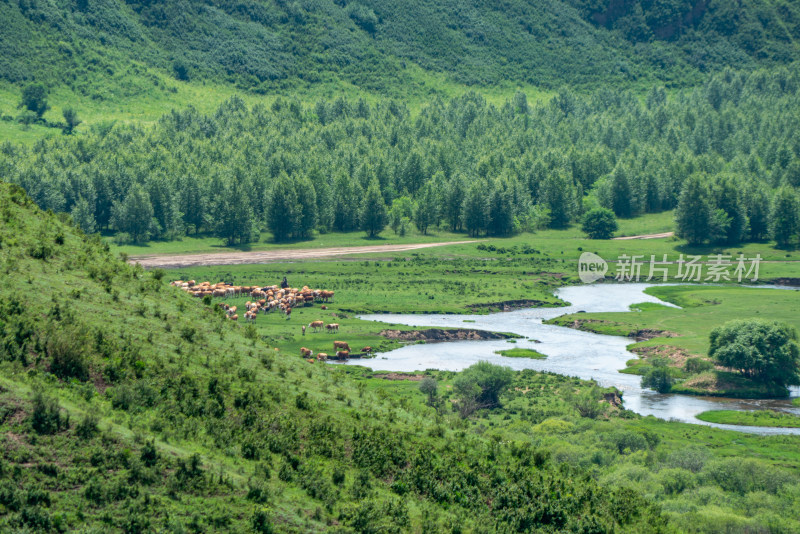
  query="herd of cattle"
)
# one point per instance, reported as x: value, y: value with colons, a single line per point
x: 341, y: 352
x: 271, y: 298
x: 266, y: 298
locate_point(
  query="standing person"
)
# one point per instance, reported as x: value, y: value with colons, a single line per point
x: 304, y: 329
x: 284, y: 283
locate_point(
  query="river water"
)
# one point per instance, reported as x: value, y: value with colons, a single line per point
x: 569, y: 352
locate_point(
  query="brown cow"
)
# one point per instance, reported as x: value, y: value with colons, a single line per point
x: 366, y: 349
x: 333, y: 327
x: 322, y: 356
x: 341, y: 345
x: 342, y: 354
x: 305, y: 353
x: 234, y: 317
x: 316, y: 325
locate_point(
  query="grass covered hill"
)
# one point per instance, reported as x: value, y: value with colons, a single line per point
x: 128, y: 406
x: 107, y: 49
x: 125, y: 405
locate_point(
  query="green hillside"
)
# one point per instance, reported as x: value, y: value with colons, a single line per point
x: 271, y: 45
x: 128, y: 406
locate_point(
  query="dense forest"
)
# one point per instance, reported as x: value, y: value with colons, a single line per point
x: 104, y: 49
x: 725, y: 148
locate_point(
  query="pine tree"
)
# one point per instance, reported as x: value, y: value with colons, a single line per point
x: 475, y: 216
x: 501, y: 217
x: 693, y: 214
x: 283, y: 213
x: 307, y: 207
x: 453, y: 201
x: 558, y: 194
x: 235, y: 220
x: 83, y: 216
x: 347, y: 196
x: 134, y: 215
x: 726, y: 195
x: 785, y: 216
x: 758, y: 205
x: 426, y: 213
x: 373, y: 210
x: 621, y: 194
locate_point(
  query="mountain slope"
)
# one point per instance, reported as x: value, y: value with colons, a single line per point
x: 103, y: 48
x: 127, y: 406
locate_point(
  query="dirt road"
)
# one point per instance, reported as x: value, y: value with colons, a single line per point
x: 172, y: 261
x: 645, y: 236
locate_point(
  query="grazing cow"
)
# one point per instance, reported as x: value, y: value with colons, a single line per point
x: 342, y: 354
x: 321, y: 356
x: 234, y: 317
x: 366, y: 349
x: 305, y: 353
x: 316, y: 325
x: 333, y: 327
x: 341, y: 345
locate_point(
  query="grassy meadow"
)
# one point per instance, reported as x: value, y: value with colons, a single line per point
x: 769, y: 418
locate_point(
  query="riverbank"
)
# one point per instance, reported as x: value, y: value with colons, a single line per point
x: 676, y: 335
x: 770, y: 418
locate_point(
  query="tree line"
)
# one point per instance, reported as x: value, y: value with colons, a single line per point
x: 726, y: 153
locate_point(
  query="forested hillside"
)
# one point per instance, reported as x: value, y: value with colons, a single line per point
x: 102, y: 49
x: 461, y: 164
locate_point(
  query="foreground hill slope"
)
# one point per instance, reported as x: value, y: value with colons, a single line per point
x: 125, y: 405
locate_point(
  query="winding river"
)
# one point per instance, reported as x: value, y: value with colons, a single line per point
x: 569, y: 352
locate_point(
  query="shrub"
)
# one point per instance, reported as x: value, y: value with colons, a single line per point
x: 659, y: 379
x: 87, y: 428
x: 46, y: 416
x: 690, y: 458
x: 628, y: 441
x: 676, y: 480
x: 697, y: 365
x: 480, y: 386
x: 599, y: 223
x: 261, y: 522
x: 762, y: 350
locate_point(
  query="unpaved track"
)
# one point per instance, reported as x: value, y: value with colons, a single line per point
x: 645, y: 236
x: 172, y: 261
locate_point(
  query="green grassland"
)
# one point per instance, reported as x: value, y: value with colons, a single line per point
x: 562, y: 247
x: 522, y: 353
x: 206, y: 244
x: 758, y: 418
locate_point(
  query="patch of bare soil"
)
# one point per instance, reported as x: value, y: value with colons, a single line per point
x: 649, y: 333
x: 613, y: 399
x: 171, y: 261
x: 645, y: 236
x: 676, y: 356
x: 442, y: 334
x: 400, y: 376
